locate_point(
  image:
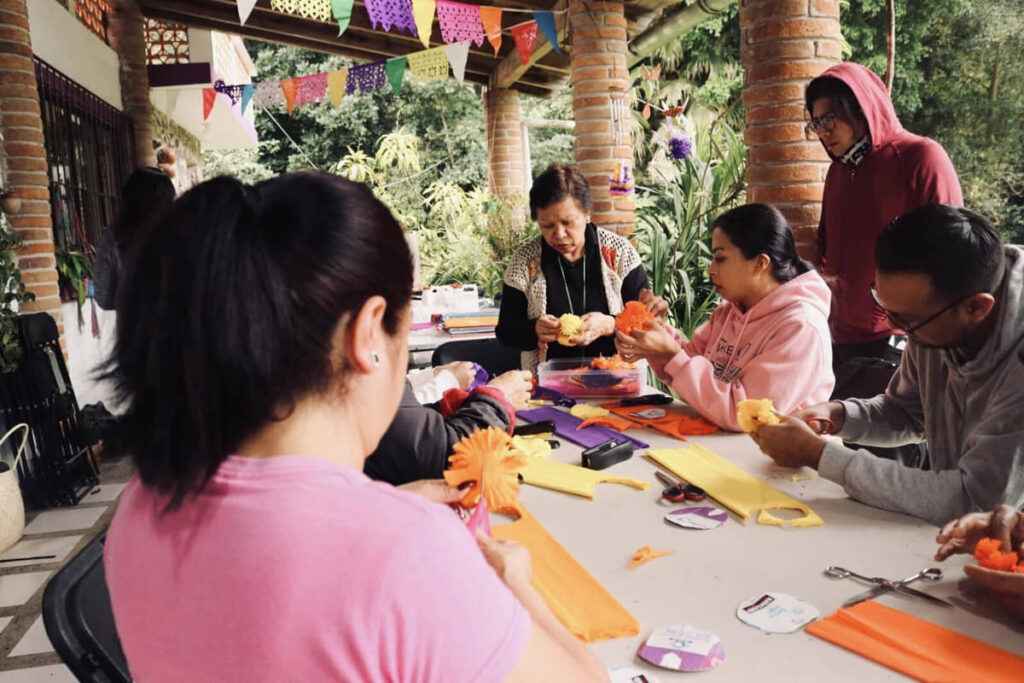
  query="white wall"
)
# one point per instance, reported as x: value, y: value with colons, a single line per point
x: 63, y: 42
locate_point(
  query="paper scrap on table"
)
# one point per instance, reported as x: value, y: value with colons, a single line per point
x: 776, y: 613
x: 736, y: 489
x: 683, y: 648
x: 646, y: 554
x: 702, y: 517
x: 630, y: 674
x: 586, y: 411
x: 533, y: 446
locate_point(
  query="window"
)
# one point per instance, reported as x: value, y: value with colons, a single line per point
x: 166, y: 43
x: 94, y: 14
x: 89, y: 154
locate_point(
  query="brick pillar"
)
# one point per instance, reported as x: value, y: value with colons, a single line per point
x: 784, y: 44
x: 506, y: 175
x: 127, y: 38
x: 600, y: 102
x: 22, y: 128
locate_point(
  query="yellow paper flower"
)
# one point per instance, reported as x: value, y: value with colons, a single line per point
x: 571, y: 325
x: 752, y: 413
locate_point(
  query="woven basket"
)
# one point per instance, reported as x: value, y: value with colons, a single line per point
x: 12, y: 508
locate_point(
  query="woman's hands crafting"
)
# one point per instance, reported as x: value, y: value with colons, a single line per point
x: 655, y: 343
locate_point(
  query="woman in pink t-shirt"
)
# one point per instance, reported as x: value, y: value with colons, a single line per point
x: 250, y: 546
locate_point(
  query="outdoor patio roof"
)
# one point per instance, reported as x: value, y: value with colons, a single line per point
x: 545, y: 72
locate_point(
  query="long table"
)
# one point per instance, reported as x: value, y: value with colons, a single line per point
x: 712, y: 571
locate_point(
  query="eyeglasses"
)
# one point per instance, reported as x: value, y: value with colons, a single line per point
x: 825, y: 124
x: 900, y: 322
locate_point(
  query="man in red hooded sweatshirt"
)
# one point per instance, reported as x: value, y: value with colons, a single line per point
x: 879, y: 171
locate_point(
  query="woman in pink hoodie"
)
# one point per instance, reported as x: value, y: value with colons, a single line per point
x: 768, y: 339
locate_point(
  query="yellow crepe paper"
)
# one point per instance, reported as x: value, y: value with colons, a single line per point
x: 585, y: 411
x: 752, y: 413
x: 736, y: 489
x: 532, y: 446
x: 579, y: 481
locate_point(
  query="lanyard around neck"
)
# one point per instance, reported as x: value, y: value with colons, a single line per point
x: 566, y: 283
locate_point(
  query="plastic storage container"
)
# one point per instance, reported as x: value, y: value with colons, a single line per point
x: 575, y: 377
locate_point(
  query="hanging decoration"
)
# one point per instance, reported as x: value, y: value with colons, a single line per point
x: 525, y: 35
x: 392, y: 13
x: 234, y: 92
x: 428, y: 65
x: 459, y: 22
x: 312, y: 89
x: 268, y: 94
x: 396, y: 73
x: 423, y: 14
x: 209, y: 97
x: 366, y: 77
x: 312, y: 9
x: 337, y: 81
x: 458, y: 55
x: 341, y: 10
x: 290, y: 88
x: 546, y: 23
x: 490, y: 18
x: 247, y: 91
x: 245, y: 9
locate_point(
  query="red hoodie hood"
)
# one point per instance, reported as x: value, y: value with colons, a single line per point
x: 874, y: 101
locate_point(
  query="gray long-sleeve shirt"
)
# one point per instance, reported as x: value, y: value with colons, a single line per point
x: 971, y: 413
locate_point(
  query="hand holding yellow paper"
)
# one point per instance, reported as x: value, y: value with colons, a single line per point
x: 753, y: 413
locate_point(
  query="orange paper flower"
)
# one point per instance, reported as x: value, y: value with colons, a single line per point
x: 988, y: 554
x: 491, y: 454
x: 634, y: 316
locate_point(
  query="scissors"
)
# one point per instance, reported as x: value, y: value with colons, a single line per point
x: 822, y: 425
x: 677, y: 491
x: 885, y: 585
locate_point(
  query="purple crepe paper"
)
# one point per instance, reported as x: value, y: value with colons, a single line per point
x: 480, y: 378
x: 565, y: 427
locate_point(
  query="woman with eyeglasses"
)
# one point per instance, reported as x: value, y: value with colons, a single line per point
x: 769, y: 337
x: 879, y: 171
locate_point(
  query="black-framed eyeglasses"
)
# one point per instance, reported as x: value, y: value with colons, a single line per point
x: 825, y: 124
x: 899, y: 322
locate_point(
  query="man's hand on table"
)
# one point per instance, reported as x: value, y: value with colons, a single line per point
x: 1004, y: 523
x: 791, y: 443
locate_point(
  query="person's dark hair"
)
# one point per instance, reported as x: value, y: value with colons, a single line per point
x: 555, y: 184
x: 960, y: 250
x: 757, y: 229
x: 828, y: 86
x: 146, y: 196
x: 228, y: 312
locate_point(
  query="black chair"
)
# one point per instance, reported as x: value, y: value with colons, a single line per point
x: 79, y: 620
x: 494, y: 356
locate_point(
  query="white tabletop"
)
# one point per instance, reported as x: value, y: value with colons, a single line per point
x: 712, y: 571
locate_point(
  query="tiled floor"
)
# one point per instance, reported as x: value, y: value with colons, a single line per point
x: 51, y: 537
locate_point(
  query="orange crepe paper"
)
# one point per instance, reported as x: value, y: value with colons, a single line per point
x: 586, y: 607
x: 290, y: 88
x: 916, y: 648
x: 490, y: 17
x: 646, y: 554
x: 489, y: 452
x: 988, y: 554
x: 674, y: 424
x: 613, y: 422
x: 634, y: 316
x: 613, y: 363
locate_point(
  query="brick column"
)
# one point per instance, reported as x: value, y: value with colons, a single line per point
x: 784, y: 44
x: 22, y: 128
x: 600, y: 102
x: 127, y: 37
x: 506, y: 174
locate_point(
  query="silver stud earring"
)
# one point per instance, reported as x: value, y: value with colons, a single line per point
x: 375, y: 359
